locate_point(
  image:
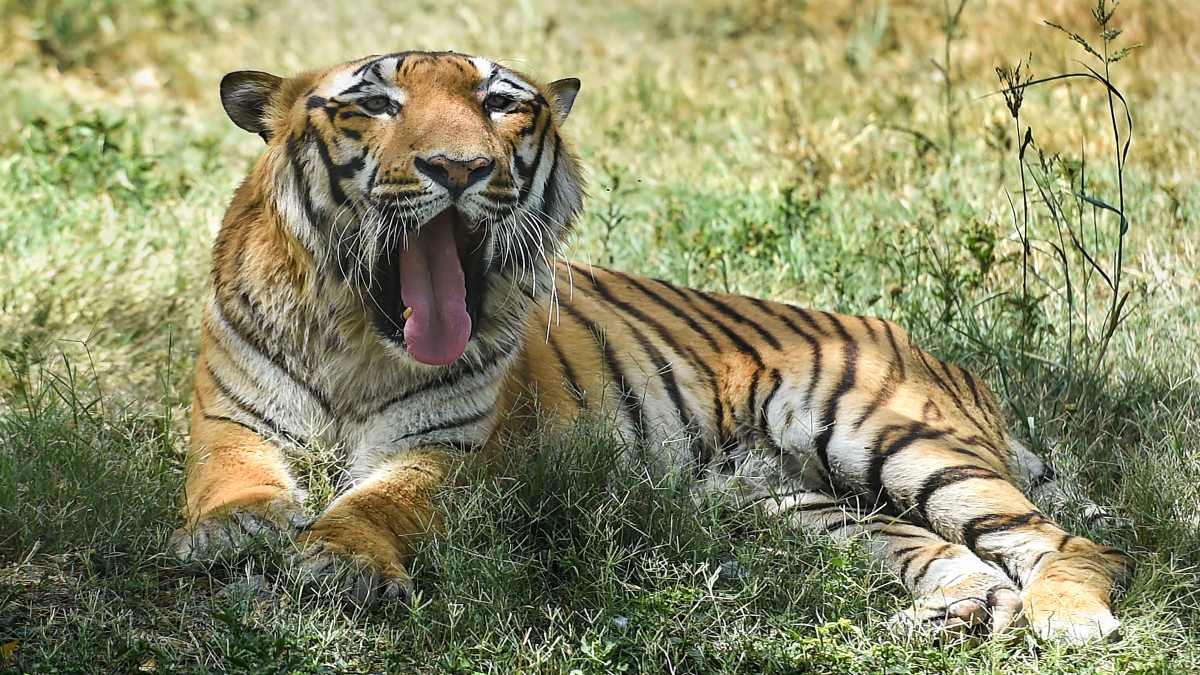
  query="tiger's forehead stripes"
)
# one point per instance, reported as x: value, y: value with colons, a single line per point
x: 391, y: 73
x: 380, y: 73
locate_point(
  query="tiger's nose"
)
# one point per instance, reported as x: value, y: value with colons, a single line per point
x: 455, y: 175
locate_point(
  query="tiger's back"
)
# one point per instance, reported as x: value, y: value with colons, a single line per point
x: 723, y: 375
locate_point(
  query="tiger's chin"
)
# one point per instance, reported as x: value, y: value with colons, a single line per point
x: 427, y: 289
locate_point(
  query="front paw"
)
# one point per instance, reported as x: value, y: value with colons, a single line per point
x: 354, y: 559
x: 229, y: 532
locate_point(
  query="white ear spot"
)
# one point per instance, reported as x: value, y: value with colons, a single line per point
x: 485, y: 67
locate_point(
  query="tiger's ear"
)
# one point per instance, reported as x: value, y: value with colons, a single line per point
x: 245, y: 96
x: 564, y: 92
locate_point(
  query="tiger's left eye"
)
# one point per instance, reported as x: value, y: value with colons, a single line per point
x: 376, y: 103
x: 498, y: 102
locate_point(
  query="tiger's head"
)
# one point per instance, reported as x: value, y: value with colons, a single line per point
x: 435, y: 186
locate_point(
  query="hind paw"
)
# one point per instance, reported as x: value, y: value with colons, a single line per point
x: 967, y: 614
x: 1072, y: 613
x: 1070, y: 598
x: 1076, y: 628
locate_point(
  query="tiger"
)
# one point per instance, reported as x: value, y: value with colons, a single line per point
x: 387, y: 281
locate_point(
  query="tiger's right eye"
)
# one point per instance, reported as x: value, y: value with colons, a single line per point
x: 376, y: 104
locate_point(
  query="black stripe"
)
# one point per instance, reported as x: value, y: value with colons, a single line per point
x: 761, y: 422
x: 751, y: 397
x: 726, y: 310
x: 489, y: 358
x: 891, y: 381
x: 257, y: 338
x: 887, y: 327
x: 569, y: 379
x: 947, y: 476
x: 550, y: 189
x: 806, y: 315
x: 916, y: 431
x: 450, y: 424
x: 354, y: 88
x: 1036, y: 561
x: 302, y: 187
x: 950, y: 375
x: 849, y: 376
x: 230, y: 420
x: 671, y: 307
x: 970, y: 379
x: 933, y: 557
x: 813, y: 343
x: 665, y: 334
x: 665, y: 370
x: 336, y: 172
x: 633, y: 407
x: 248, y: 409
x: 977, y: 441
x: 985, y: 525
x: 843, y: 524
x: 817, y: 506
x: 910, y: 553
x: 331, y: 112
x: 866, y: 322
x: 371, y: 64
x: 523, y: 193
x: 958, y: 402
x: 733, y: 337
x: 519, y: 85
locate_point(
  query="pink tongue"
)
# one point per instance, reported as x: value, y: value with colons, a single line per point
x: 431, y: 283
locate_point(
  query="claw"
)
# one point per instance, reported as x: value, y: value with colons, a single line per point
x: 363, y: 580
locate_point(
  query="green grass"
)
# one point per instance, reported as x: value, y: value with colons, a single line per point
x: 766, y: 147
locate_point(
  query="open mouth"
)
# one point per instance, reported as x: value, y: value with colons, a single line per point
x: 427, y: 289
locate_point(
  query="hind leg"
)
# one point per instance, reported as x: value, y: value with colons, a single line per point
x: 954, y: 591
x: 1066, y: 581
